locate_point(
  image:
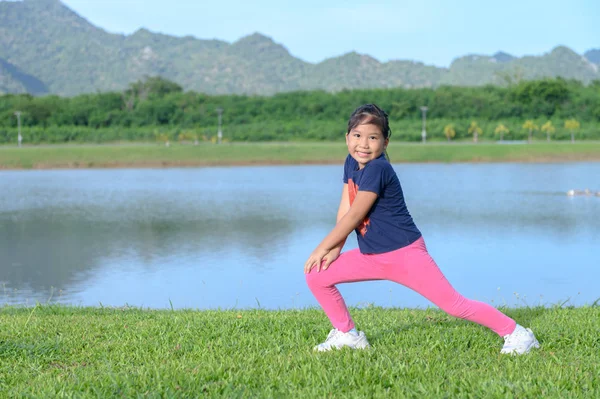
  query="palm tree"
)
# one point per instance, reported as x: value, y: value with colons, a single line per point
x: 163, y: 138
x: 449, y: 132
x: 530, y: 126
x: 188, y: 136
x: 475, y: 130
x: 572, y: 125
x: 501, y: 130
x: 548, y: 128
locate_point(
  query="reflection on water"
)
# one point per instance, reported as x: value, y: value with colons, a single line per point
x: 226, y: 237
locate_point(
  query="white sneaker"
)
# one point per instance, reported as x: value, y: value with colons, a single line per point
x: 521, y: 341
x: 337, y: 340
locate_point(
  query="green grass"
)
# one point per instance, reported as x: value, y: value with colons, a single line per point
x: 59, y: 351
x: 154, y: 155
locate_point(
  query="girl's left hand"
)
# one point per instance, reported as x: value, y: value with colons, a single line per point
x: 315, y: 259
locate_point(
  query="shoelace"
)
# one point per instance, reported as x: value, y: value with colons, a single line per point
x: 511, y: 338
x: 332, y: 334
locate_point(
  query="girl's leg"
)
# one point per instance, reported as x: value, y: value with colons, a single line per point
x: 413, y: 267
x: 351, y: 266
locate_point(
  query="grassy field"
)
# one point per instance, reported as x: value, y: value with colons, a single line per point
x: 57, y: 351
x: 154, y: 155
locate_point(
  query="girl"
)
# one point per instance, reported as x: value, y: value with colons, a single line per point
x: 390, y: 245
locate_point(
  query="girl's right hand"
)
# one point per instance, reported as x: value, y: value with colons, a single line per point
x: 330, y: 257
x: 322, y: 262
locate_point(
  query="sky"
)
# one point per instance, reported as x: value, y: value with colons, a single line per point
x: 430, y: 31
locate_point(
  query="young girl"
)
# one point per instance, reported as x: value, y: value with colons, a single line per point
x: 390, y: 245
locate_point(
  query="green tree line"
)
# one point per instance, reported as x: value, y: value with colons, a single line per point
x: 155, y: 107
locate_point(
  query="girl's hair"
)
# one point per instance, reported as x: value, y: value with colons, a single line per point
x: 371, y: 113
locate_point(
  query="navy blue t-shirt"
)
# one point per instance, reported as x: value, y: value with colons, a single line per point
x: 388, y: 225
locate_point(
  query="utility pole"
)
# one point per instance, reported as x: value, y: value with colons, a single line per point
x: 424, y: 132
x: 219, y: 133
x: 19, y: 137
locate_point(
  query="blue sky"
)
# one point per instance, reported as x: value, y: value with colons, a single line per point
x: 430, y: 31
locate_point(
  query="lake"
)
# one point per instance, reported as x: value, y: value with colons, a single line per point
x: 238, y: 237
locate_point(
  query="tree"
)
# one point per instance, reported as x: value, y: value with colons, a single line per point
x: 530, y: 126
x: 501, y: 130
x: 548, y: 128
x: 542, y: 96
x: 572, y: 125
x: 449, y: 132
x: 188, y: 136
x: 150, y: 87
x: 475, y: 130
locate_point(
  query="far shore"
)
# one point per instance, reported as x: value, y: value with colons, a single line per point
x: 152, y: 155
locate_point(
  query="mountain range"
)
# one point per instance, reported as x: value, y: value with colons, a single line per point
x: 46, y: 48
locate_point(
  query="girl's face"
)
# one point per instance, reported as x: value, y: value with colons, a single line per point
x: 365, y: 143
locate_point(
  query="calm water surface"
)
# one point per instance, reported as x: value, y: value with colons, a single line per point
x: 238, y: 237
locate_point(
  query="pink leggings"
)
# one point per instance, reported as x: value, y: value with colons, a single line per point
x: 411, y: 266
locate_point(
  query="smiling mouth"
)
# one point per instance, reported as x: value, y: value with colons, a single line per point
x: 362, y: 154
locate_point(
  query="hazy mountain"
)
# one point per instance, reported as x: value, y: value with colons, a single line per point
x: 593, y: 56
x: 47, y: 48
x: 501, y: 56
x: 13, y: 80
x: 362, y: 71
x: 481, y: 69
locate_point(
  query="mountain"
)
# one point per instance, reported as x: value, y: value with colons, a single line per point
x: 13, y: 80
x: 593, y: 56
x: 480, y: 69
x: 45, y: 47
x: 503, y: 57
x: 360, y: 71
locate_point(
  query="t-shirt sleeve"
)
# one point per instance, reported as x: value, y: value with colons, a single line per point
x: 347, y: 169
x: 375, y: 177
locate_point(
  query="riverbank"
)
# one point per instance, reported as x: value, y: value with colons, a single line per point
x: 128, y: 155
x: 52, y: 350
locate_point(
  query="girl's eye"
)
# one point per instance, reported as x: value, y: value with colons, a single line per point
x: 373, y: 137
x: 356, y: 135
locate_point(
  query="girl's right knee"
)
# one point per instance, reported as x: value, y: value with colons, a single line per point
x: 313, y: 279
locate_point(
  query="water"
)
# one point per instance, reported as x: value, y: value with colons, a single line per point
x: 237, y: 237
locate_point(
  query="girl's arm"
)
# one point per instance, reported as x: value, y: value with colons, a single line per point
x: 334, y: 253
x: 349, y: 220
x: 342, y: 211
